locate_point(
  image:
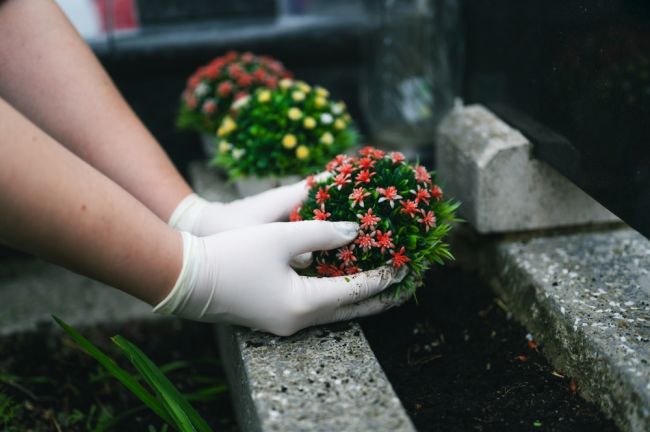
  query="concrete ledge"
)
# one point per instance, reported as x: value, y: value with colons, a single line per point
x: 323, y: 379
x: 488, y: 166
x: 32, y: 290
x: 586, y: 298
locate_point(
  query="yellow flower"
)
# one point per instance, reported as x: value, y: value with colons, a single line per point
x: 294, y: 113
x: 320, y: 101
x: 302, y: 152
x: 227, y: 125
x: 303, y: 86
x: 264, y: 96
x: 309, y: 123
x: 339, y: 124
x: 224, y: 146
x: 289, y: 141
x: 320, y: 91
x: 298, y: 96
x: 327, y: 138
x: 285, y: 83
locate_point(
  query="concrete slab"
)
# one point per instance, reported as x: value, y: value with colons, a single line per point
x: 488, y: 166
x: 32, y: 290
x: 322, y: 379
x: 586, y: 298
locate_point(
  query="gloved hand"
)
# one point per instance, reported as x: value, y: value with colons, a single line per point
x: 243, y: 277
x: 202, y: 218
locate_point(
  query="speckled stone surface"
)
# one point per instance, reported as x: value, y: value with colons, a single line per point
x: 586, y: 297
x: 487, y: 165
x: 322, y: 379
x: 32, y: 290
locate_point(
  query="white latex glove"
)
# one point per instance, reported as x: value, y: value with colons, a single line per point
x: 243, y: 277
x: 203, y: 218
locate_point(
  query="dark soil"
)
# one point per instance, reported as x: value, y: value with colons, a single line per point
x: 48, y: 384
x: 459, y: 363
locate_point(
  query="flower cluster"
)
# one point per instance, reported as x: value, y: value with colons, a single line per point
x: 400, y: 210
x: 213, y: 88
x: 292, y: 130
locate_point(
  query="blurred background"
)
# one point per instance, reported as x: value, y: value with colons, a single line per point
x: 384, y: 58
x: 573, y: 76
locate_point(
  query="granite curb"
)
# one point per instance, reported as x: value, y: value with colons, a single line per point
x: 586, y: 298
x: 322, y: 379
x: 488, y: 166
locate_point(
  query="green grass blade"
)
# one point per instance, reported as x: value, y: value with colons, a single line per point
x: 120, y: 374
x: 178, y: 407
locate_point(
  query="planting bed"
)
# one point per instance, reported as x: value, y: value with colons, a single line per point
x: 458, y: 362
x: 48, y: 384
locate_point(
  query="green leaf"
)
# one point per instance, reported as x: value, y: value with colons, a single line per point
x: 120, y: 374
x: 186, y: 418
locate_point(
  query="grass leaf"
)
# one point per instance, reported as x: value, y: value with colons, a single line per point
x: 120, y: 374
x: 186, y: 418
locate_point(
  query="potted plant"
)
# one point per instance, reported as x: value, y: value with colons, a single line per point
x: 400, y: 208
x: 277, y: 136
x: 213, y: 88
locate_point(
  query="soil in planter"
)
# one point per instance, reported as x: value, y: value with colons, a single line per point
x: 458, y: 362
x: 48, y: 384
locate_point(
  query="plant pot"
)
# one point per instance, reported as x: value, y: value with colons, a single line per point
x: 208, y: 145
x: 248, y: 186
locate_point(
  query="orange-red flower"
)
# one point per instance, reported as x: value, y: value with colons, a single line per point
x: 428, y: 219
x: 358, y: 195
x: 384, y: 240
x: 322, y: 196
x: 346, y: 255
x: 321, y: 214
x: 421, y: 174
x: 399, y: 259
x: 389, y: 194
x: 364, y: 176
x: 368, y: 220
x: 366, y: 241
x: 409, y: 207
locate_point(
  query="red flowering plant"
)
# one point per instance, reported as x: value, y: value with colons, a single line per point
x: 213, y: 88
x: 292, y: 130
x: 400, y: 209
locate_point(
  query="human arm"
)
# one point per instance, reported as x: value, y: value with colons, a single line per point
x: 50, y: 75
x: 58, y: 207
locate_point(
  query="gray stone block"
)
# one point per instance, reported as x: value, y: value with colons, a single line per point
x: 210, y: 183
x: 32, y: 290
x: 323, y: 379
x: 488, y: 166
x: 586, y: 298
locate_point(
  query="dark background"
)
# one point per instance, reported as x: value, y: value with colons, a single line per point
x: 574, y: 76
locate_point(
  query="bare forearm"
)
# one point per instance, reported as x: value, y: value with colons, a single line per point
x: 50, y: 75
x: 56, y: 206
